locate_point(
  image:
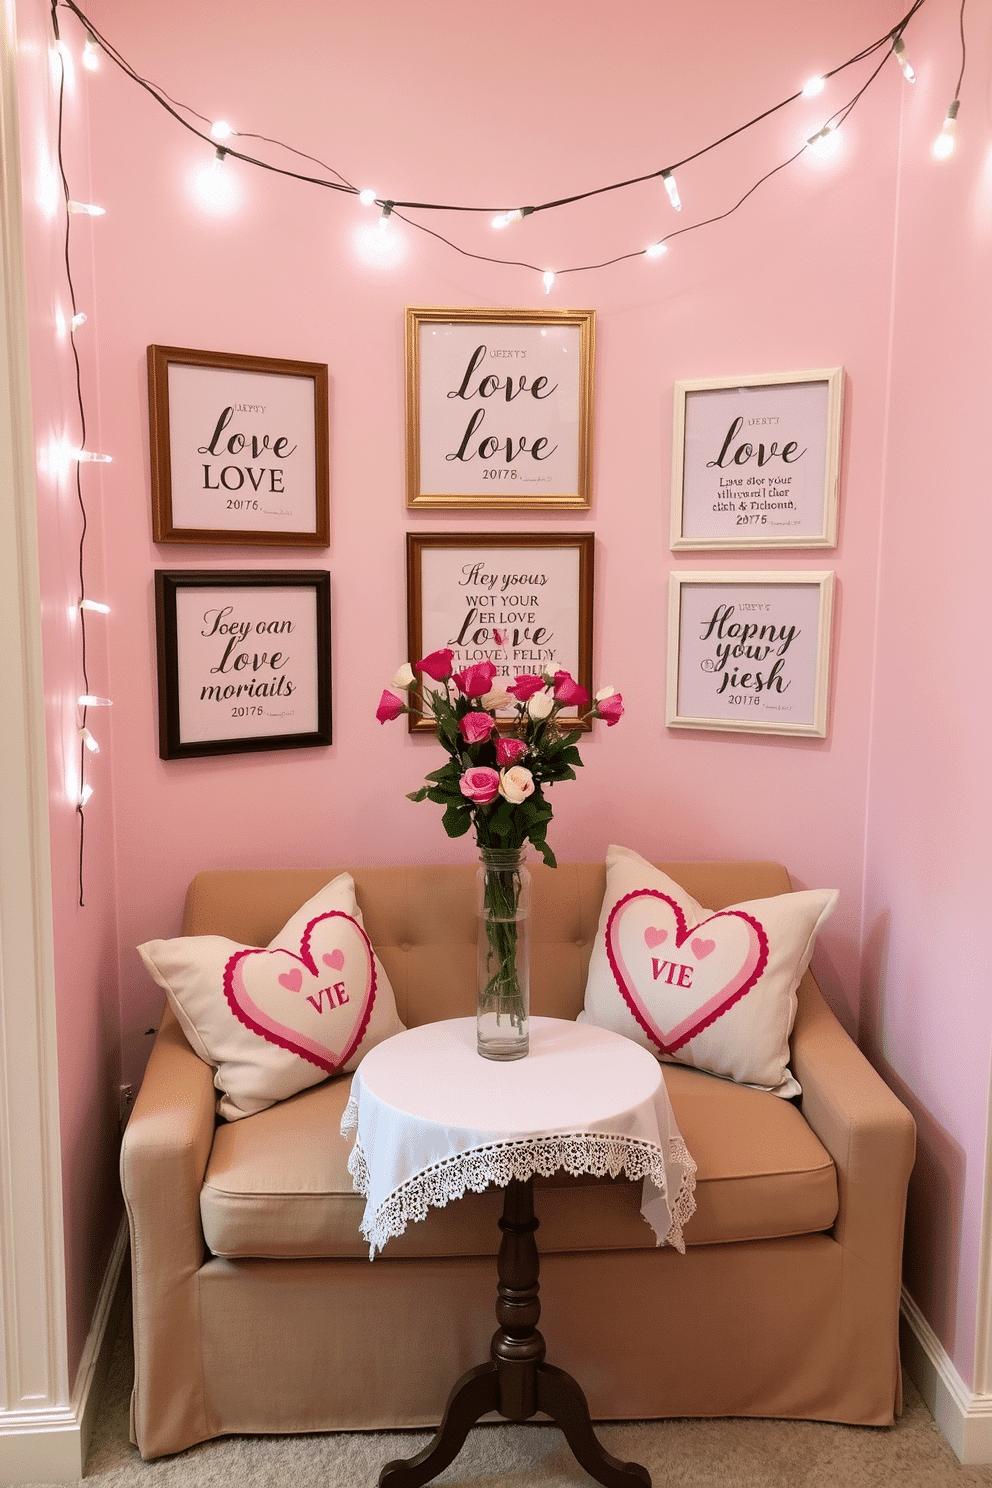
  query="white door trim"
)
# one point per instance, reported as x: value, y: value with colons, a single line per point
x: 34, y: 1381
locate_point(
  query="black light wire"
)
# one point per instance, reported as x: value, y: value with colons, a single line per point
x: 172, y: 107
x: 82, y: 444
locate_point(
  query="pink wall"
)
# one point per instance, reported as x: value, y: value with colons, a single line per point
x: 88, y: 1007
x: 927, y: 1013
x: 414, y: 100
x: 445, y: 101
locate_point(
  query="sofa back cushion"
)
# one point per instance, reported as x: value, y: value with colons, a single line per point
x: 421, y: 921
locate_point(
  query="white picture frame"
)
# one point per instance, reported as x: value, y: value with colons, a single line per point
x: 499, y: 408
x: 756, y: 460
x: 749, y: 652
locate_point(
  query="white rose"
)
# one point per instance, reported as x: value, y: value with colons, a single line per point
x: 604, y: 692
x: 404, y: 677
x: 516, y: 784
x: 540, y: 705
x: 496, y: 699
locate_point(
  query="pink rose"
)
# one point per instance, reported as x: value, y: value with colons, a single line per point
x: 480, y: 784
x: 390, y: 707
x: 525, y: 686
x: 508, y: 751
x: 437, y: 665
x: 610, y: 708
x: 475, y: 680
x: 516, y: 784
x: 475, y: 728
x: 568, y: 691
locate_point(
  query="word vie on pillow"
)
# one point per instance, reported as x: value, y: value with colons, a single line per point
x: 277, y: 1020
x: 712, y: 989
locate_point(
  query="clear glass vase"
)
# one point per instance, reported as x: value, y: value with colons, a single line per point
x: 503, y: 908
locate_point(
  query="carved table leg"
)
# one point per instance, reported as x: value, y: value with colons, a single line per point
x: 517, y: 1382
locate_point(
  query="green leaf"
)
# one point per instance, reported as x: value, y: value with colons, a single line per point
x: 417, y: 795
x: 570, y: 756
x: 456, y: 820
x: 547, y: 854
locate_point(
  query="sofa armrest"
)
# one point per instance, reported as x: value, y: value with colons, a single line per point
x: 164, y: 1156
x: 865, y: 1127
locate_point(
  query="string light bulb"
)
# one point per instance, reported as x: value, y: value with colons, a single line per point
x: 813, y: 86
x: 672, y: 189
x: 90, y: 700
x: 367, y: 197
x: 94, y: 604
x: 825, y: 141
x: 943, y: 145
x: 503, y: 219
x: 655, y: 250
x: 79, y: 319
x: 215, y: 185
x: 220, y: 129
x: 384, y: 216
x: 547, y: 279
x: 91, y: 457
x: 899, y: 52
x: 86, y: 209
x: 89, y: 741
x: 85, y: 794
x: 91, y: 53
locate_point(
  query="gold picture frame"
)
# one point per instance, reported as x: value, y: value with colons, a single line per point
x: 499, y: 408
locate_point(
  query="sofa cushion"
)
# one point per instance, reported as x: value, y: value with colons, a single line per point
x: 713, y: 989
x: 273, y: 1021
x: 277, y: 1183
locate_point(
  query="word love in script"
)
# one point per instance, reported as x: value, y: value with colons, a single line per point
x: 507, y: 389
x: 255, y: 447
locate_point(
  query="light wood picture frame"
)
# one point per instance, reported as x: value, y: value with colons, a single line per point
x: 756, y: 460
x: 499, y: 408
x: 749, y: 652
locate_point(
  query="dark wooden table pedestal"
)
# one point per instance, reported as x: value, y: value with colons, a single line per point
x: 516, y: 1382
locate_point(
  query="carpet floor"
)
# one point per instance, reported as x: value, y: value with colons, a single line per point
x: 678, y: 1454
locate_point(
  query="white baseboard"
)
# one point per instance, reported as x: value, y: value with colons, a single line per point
x: 50, y: 1445
x: 963, y: 1416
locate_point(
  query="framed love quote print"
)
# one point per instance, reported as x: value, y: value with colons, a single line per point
x: 749, y: 652
x: 499, y: 408
x: 755, y: 461
x: 238, y: 449
x: 520, y: 600
x: 244, y: 660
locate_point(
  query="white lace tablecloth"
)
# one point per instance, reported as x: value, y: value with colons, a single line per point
x: 433, y: 1119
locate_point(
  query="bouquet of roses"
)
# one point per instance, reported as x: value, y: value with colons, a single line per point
x: 495, y: 780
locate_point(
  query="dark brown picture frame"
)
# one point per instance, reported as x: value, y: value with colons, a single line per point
x: 169, y: 583
x: 164, y: 528
x: 518, y: 543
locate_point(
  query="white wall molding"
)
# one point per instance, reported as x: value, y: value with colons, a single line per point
x: 963, y: 1415
x: 33, y: 1365
x: 50, y: 1445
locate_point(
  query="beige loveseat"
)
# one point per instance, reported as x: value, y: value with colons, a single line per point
x: 256, y: 1308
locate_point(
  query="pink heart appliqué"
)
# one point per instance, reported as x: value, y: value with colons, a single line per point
x: 673, y: 1001
x: 327, y: 1024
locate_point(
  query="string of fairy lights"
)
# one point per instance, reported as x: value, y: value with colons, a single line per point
x: 225, y: 143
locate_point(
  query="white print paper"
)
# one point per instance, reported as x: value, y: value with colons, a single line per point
x: 247, y: 662
x: 748, y: 653
x: 499, y: 409
x: 242, y: 450
x: 515, y: 607
x: 755, y: 462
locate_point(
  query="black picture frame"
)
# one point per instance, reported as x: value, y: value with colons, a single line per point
x: 249, y: 679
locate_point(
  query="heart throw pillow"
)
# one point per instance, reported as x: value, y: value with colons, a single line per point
x: 275, y: 1020
x: 712, y: 989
